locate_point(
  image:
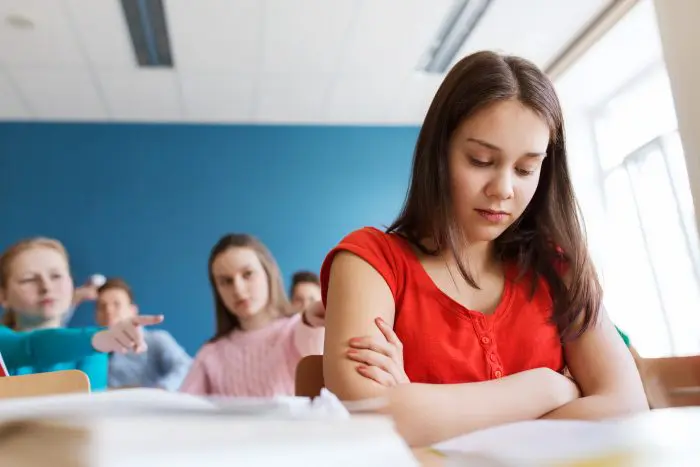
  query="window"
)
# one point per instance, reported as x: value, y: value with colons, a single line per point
x: 651, y: 268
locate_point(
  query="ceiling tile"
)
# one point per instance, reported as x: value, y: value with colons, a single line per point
x: 142, y: 95
x: 12, y: 107
x: 393, y: 34
x: 536, y: 29
x: 311, y: 61
x: 364, y: 98
x: 102, y: 31
x: 217, y: 96
x: 215, y: 34
x: 49, y: 42
x: 305, y: 36
x: 70, y: 96
x: 292, y: 98
x: 412, y: 102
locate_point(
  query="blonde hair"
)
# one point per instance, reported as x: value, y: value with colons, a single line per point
x: 9, y: 319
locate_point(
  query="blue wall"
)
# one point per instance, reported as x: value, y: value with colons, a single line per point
x: 147, y: 202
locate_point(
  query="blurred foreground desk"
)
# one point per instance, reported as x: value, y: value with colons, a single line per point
x: 193, y: 441
x: 123, y: 437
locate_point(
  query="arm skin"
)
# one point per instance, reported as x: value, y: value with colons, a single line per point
x: 424, y: 413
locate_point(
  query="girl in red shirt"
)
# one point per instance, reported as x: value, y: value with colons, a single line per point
x: 466, y: 311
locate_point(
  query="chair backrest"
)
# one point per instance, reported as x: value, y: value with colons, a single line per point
x: 44, y: 384
x: 309, y: 376
x: 671, y: 381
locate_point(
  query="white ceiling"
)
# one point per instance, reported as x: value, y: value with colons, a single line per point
x: 255, y: 61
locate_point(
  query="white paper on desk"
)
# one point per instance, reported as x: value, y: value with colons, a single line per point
x: 536, y: 442
x: 152, y: 401
x: 365, y: 441
x: 120, y: 402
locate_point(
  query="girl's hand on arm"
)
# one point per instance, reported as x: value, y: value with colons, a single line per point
x: 380, y: 358
x: 125, y: 336
x: 357, y: 295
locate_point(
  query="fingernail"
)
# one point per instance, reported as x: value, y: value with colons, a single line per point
x: 352, y: 352
x: 362, y: 368
x: 379, y: 321
x: 354, y: 341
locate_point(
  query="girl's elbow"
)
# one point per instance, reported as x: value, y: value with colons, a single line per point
x: 626, y: 403
x: 347, y: 385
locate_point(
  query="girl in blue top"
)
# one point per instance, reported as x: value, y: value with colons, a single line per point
x: 36, y: 291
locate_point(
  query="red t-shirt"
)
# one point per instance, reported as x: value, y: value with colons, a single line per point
x: 443, y: 341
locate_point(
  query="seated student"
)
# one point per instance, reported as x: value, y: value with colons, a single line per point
x: 465, y: 311
x: 259, y: 339
x: 163, y: 365
x: 36, y: 290
x: 305, y: 290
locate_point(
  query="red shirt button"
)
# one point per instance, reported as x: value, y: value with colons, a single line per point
x: 485, y: 340
x: 493, y: 357
x: 498, y: 373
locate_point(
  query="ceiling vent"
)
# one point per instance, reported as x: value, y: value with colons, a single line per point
x: 149, y: 32
x: 459, y: 24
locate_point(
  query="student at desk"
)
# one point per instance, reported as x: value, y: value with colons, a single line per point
x: 465, y: 312
x: 163, y: 365
x: 36, y: 290
x: 259, y: 337
x: 305, y: 290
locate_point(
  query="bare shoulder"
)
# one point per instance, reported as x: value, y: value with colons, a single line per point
x: 356, y: 288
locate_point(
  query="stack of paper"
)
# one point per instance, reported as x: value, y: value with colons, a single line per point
x: 157, y: 402
x: 146, y: 428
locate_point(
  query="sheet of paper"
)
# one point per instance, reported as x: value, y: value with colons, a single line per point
x: 534, y: 441
x: 659, y: 437
x: 117, y: 402
x: 153, y: 401
x: 219, y: 441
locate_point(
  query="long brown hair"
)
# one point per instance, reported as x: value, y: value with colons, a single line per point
x: 9, y: 318
x: 549, y: 232
x: 278, y: 303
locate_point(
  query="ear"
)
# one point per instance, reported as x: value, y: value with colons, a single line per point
x: 135, y: 308
x: 3, y: 303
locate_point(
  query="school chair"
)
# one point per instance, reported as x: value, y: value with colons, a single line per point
x: 44, y: 384
x: 671, y: 381
x: 308, y: 380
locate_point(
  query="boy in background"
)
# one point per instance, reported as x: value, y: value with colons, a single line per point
x: 305, y: 290
x: 164, y: 365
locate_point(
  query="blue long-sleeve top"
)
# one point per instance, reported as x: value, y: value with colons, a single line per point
x: 44, y: 350
x: 164, y: 365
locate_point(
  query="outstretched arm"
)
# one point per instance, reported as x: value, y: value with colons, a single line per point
x: 45, y: 347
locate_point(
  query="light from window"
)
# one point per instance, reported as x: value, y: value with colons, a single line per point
x: 652, y: 267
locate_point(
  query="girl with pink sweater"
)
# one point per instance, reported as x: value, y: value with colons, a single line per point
x: 259, y: 339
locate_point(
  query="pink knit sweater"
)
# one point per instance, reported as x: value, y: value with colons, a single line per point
x: 258, y: 363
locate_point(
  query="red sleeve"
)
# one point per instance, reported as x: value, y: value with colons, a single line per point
x: 373, y: 246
